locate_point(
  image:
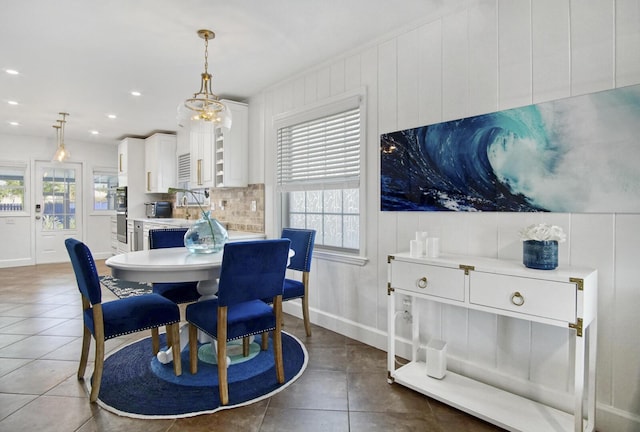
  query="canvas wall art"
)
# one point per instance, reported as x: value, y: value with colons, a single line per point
x: 575, y: 155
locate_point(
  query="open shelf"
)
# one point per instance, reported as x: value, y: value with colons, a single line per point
x: 504, y: 409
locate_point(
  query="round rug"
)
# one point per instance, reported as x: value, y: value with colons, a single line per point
x: 135, y: 384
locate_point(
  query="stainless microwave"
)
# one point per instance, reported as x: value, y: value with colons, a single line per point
x: 158, y: 209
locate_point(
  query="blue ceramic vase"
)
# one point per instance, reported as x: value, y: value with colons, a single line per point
x: 541, y: 255
x: 206, y: 235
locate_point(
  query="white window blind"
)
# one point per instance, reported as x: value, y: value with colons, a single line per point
x: 322, y: 153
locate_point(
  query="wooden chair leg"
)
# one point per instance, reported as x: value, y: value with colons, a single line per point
x: 264, y: 344
x: 84, y: 354
x: 277, y: 340
x: 223, y: 384
x: 97, y: 371
x: 305, y: 315
x: 173, y: 331
x: 245, y: 346
x: 193, y: 349
x: 169, y: 337
x: 305, y: 303
x: 155, y: 340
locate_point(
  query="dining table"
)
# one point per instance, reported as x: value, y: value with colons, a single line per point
x: 175, y: 264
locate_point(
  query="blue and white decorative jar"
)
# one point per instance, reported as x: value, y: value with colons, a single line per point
x: 540, y: 254
x: 206, y: 235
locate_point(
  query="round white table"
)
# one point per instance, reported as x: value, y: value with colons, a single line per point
x: 169, y: 265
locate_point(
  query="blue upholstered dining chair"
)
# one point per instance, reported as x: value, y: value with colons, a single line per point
x: 302, y: 241
x: 108, y: 320
x: 250, y: 271
x: 177, y: 292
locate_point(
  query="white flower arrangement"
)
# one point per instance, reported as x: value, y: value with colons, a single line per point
x: 543, y: 232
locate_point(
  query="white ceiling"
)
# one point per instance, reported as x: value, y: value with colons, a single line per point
x: 85, y: 56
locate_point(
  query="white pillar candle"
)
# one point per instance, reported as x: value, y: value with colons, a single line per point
x: 415, y: 248
x: 433, y: 247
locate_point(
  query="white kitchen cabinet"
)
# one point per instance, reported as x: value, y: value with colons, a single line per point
x: 160, y: 163
x: 114, y: 235
x: 123, y: 160
x: 219, y: 157
x: 231, y: 149
x: 565, y: 297
x: 131, y: 173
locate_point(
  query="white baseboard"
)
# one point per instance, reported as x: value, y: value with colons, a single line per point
x: 16, y: 262
x: 608, y: 418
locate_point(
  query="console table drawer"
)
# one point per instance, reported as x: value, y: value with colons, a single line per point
x: 542, y: 298
x: 430, y: 280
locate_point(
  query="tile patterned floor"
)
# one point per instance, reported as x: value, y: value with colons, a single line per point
x: 343, y: 389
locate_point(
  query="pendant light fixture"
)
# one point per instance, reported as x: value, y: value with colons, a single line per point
x: 62, y: 153
x: 205, y: 106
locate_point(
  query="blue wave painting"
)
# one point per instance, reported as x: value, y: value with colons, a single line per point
x: 573, y: 155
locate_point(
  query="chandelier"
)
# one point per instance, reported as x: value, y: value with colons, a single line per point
x: 205, y: 106
x: 62, y: 153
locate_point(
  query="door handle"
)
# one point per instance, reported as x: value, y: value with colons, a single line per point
x: 38, y: 217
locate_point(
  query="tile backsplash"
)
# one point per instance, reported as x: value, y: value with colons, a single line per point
x: 240, y: 209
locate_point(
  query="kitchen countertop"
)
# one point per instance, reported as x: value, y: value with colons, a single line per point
x: 178, y: 222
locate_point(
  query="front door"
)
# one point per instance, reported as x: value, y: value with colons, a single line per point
x: 58, y: 209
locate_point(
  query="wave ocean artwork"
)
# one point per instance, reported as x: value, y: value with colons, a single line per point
x: 573, y: 155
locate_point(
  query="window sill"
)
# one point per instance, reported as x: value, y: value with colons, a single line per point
x: 338, y: 257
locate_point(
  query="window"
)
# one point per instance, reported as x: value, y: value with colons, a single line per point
x: 12, y: 188
x: 319, y: 166
x: 104, y: 190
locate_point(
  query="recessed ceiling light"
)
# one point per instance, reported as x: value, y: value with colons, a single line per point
x: 14, y: 123
x: 112, y: 116
x: 12, y: 71
x: 12, y: 102
x: 94, y: 132
x: 136, y: 93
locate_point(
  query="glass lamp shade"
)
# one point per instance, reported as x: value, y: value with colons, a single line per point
x: 61, y: 154
x: 197, y: 110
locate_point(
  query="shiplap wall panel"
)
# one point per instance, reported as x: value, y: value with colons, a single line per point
x: 592, y: 46
x: 596, y: 248
x: 483, y: 57
x: 408, y: 82
x: 430, y: 76
x: 626, y: 365
x: 310, y: 89
x: 324, y: 85
x: 550, y: 44
x: 455, y: 63
x: 338, y: 78
x: 353, y: 72
x: 627, y: 52
x: 514, y: 53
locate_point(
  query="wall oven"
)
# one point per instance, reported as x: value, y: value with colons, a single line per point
x: 121, y: 213
x: 121, y: 199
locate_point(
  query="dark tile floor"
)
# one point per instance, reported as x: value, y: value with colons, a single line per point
x: 344, y: 387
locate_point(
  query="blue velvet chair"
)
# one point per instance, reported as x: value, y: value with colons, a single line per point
x: 177, y: 292
x: 108, y: 320
x: 250, y: 271
x: 302, y: 241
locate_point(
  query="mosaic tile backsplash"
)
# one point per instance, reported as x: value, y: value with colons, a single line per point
x: 240, y: 209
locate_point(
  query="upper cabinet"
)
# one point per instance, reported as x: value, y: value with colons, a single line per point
x: 219, y: 156
x: 130, y: 153
x: 160, y: 163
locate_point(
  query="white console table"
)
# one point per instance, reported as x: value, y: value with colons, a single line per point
x: 564, y: 297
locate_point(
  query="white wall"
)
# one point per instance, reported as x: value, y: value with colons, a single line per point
x: 486, y: 56
x: 17, y: 231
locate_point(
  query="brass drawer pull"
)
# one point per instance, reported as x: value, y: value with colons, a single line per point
x: 422, y: 282
x: 517, y: 299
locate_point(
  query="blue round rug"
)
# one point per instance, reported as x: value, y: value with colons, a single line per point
x: 135, y: 384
